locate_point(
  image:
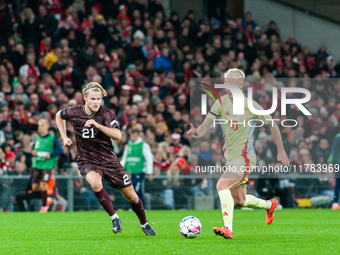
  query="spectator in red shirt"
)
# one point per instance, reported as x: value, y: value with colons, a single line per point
x: 176, y: 146
x: 123, y: 15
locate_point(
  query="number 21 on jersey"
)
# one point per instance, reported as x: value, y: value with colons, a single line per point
x: 86, y: 133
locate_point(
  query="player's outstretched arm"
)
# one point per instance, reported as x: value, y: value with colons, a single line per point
x: 62, y: 129
x: 281, y: 154
x: 201, y: 130
x: 113, y: 133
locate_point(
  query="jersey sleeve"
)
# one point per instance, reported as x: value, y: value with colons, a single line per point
x: 66, y: 113
x: 265, y: 118
x: 215, y: 111
x: 109, y: 120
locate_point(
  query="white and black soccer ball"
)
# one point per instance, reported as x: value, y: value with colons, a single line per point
x: 190, y: 227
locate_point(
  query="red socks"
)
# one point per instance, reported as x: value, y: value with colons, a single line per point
x: 139, y: 211
x: 104, y: 199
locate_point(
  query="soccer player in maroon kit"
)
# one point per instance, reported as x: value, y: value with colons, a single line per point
x: 94, y: 127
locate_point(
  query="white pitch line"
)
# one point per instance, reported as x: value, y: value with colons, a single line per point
x: 75, y: 222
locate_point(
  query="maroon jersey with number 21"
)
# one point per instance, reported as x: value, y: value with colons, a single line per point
x: 94, y: 147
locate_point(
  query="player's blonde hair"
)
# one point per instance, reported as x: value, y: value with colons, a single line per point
x: 234, y: 76
x: 234, y: 73
x: 94, y: 86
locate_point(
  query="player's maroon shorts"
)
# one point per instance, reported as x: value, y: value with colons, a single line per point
x: 115, y: 177
x: 40, y: 175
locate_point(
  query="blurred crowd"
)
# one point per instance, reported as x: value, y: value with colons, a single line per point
x: 145, y: 60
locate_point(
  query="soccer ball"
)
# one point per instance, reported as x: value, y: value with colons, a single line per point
x: 190, y: 227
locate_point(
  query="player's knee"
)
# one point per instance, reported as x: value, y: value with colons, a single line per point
x: 42, y: 187
x: 132, y: 199
x: 219, y: 185
x: 35, y: 188
x: 239, y: 202
x: 97, y: 186
x: 222, y: 184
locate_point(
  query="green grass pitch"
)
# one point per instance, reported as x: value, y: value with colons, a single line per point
x: 308, y: 231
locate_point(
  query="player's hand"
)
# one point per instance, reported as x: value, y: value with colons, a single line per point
x: 67, y: 142
x: 283, y: 158
x: 34, y: 153
x: 91, y: 123
x: 193, y: 131
x: 47, y: 156
x: 150, y: 177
